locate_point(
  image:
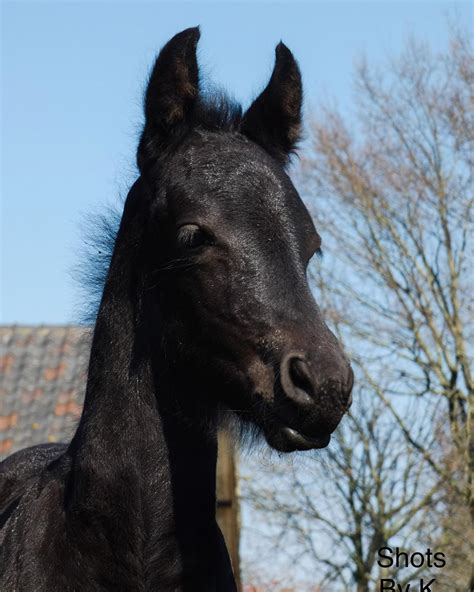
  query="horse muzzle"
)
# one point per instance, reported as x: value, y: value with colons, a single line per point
x: 310, y: 400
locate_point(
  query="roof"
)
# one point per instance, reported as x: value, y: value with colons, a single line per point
x: 42, y: 383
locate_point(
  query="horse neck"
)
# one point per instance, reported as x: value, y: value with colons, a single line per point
x: 132, y: 451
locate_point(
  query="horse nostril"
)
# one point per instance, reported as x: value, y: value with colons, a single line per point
x: 300, y: 375
x: 296, y: 380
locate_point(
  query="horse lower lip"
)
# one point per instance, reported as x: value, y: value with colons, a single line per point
x: 303, y: 442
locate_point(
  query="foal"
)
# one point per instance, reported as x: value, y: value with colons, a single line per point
x: 206, y: 309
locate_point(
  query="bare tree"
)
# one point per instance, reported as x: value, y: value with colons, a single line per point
x: 400, y: 193
x: 395, y: 194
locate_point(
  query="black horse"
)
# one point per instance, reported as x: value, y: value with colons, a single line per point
x: 206, y: 311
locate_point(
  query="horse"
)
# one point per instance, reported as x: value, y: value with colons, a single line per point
x: 206, y: 312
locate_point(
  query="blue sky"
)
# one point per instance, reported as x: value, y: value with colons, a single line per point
x: 72, y: 82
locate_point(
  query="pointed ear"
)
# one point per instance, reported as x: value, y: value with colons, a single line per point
x: 172, y: 90
x: 274, y: 118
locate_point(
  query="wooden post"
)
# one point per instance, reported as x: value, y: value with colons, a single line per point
x: 227, y: 503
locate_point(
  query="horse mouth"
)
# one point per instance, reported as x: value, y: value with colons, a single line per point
x: 304, y: 442
x: 286, y: 439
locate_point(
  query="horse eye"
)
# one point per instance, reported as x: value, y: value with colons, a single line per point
x: 191, y: 236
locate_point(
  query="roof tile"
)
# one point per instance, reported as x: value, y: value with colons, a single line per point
x: 42, y: 383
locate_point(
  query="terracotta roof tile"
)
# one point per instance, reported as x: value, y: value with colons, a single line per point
x: 42, y: 383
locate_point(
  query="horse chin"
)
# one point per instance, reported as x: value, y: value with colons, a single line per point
x: 286, y: 439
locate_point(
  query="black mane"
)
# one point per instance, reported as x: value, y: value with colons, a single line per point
x: 216, y: 111
x: 99, y: 232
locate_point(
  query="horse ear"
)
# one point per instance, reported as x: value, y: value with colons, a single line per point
x: 274, y: 118
x: 172, y: 90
